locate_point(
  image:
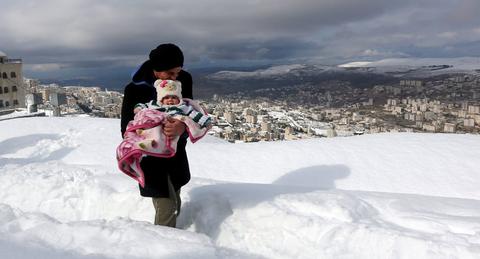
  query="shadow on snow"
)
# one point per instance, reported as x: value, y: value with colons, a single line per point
x: 220, y: 198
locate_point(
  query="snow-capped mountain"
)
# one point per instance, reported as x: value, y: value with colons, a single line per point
x: 395, y: 67
x: 373, y: 196
x: 274, y: 72
x: 357, y: 73
x: 418, y: 67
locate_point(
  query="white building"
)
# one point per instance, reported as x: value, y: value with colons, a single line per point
x: 429, y: 127
x: 251, y: 119
x: 266, y: 126
x: 409, y: 116
x: 469, y: 122
x: 450, y: 127
x: 474, y: 109
x: 415, y: 83
x: 229, y: 117
x: 12, y: 89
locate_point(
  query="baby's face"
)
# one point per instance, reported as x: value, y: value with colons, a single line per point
x: 170, y: 100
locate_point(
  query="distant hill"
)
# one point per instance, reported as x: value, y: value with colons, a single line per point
x: 225, y: 80
x: 359, y: 74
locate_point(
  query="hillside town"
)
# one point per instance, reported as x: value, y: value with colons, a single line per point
x: 446, y: 104
x: 450, y: 105
x: 56, y: 100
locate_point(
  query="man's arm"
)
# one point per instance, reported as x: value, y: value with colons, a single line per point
x: 173, y: 128
x: 187, y: 83
x: 127, y: 108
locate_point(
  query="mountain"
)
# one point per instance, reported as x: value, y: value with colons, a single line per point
x: 418, y: 67
x: 359, y: 74
x: 392, y: 195
x: 225, y: 80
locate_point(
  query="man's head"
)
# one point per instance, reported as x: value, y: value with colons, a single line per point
x: 169, y: 92
x: 167, y: 61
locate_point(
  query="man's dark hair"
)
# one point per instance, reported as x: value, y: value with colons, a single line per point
x: 166, y: 56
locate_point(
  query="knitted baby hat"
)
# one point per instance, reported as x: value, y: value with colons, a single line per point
x: 168, y: 87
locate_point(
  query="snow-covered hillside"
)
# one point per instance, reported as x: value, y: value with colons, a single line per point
x: 422, y: 67
x: 466, y: 63
x: 399, y: 67
x: 274, y: 72
x: 373, y: 196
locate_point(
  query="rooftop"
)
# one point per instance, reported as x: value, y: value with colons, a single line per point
x: 5, y: 59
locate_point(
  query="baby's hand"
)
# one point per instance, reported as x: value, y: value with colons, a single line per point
x: 137, y: 109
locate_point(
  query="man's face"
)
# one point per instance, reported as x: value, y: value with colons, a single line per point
x: 170, y: 74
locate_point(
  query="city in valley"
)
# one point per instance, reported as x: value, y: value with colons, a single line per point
x: 445, y: 103
x: 332, y: 108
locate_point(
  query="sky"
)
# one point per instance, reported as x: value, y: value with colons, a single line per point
x: 389, y: 195
x: 85, y: 38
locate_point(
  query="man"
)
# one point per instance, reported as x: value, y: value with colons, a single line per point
x: 163, y: 176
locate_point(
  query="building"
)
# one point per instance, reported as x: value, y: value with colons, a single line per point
x: 266, y: 126
x: 251, y: 119
x: 469, y: 122
x: 429, y: 128
x: 414, y: 83
x: 474, y: 109
x: 230, y: 117
x: 450, y: 127
x: 12, y: 90
x: 31, y: 85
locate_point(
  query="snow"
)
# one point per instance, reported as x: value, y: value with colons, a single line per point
x: 395, y: 195
x: 260, y: 73
x: 19, y: 113
x: 400, y: 67
x: 405, y: 64
x: 356, y: 64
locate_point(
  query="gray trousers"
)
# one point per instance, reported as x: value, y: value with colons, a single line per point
x: 167, y: 209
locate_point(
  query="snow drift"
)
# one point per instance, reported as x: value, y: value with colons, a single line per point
x: 373, y: 196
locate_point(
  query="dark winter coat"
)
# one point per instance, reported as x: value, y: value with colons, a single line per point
x: 141, y: 90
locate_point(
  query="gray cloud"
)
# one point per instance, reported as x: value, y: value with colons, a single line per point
x: 280, y: 48
x: 87, y: 33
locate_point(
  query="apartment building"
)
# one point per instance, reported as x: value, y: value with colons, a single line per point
x: 12, y: 90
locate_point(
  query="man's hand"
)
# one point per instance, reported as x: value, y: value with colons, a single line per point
x: 173, y: 128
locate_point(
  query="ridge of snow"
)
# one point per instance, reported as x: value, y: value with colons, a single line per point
x: 271, y: 71
x: 392, y: 195
x: 464, y: 63
x: 422, y: 67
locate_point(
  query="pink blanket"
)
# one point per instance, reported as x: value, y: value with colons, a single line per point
x: 144, y: 136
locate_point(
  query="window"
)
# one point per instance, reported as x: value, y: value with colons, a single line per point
x: 4, y: 75
x: 15, y: 102
x: 1, y: 90
x: 13, y: 75
x: 14, y: 88
x: 7, y: 104
x: 5, y: 89
x: 1, y: 103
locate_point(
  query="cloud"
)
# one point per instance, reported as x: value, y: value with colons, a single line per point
x: 46, y: 67
x: 114, y: 33
x: 379, y: 54
x: 134, y: 27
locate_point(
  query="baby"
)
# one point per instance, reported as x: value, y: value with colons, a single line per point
x: 170, y: 101
x: 144, y: 135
